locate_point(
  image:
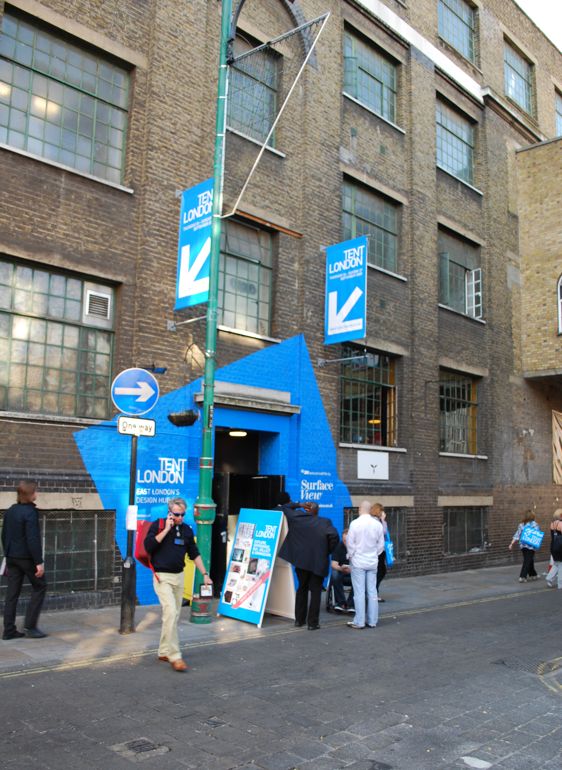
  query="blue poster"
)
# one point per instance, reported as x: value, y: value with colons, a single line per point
x: 246, y: 585
x: 194, y: 245
x: 346, y: 291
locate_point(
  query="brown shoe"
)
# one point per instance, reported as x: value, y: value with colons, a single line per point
x: 164, y: 658
x: 179, y: 665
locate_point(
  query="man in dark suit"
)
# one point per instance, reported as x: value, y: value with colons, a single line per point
x: 309, y: 542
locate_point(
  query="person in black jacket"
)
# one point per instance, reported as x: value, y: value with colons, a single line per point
x: 309, y: 542
x: 167, y: 548
x: 21, y: 542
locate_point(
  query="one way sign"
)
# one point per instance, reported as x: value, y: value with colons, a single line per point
x: 194, y: 245
x: 346, y: 291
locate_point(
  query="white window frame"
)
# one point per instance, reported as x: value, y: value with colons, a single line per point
x: 559, y: 297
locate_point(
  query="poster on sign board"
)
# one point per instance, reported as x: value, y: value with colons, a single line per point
x: 249, y: 573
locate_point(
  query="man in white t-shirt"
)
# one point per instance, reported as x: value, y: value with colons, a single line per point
x: 365, y: 541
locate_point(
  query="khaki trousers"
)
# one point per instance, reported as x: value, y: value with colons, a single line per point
x: 169, y: 589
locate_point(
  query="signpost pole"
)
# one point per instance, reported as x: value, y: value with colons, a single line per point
x: 205, y: 507
x: 129, y: 581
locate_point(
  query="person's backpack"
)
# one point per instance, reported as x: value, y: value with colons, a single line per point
x: 556, y: 546
x: 141, y: 554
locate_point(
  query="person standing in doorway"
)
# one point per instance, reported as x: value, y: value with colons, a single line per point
x: 21, y: 542
x: 365, y: 541
x: 528, y: 571
x: 167, y: 548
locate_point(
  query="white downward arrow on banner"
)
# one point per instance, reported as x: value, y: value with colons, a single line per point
x: 143, y: 391
x: 188, y: 283
x: 336, y: 318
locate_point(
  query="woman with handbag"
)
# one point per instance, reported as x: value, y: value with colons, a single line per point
x: 528, y: 571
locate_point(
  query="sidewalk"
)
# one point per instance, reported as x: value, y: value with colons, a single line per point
x: 78, y: 637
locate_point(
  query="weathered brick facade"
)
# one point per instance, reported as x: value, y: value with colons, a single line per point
x: 127, y: 236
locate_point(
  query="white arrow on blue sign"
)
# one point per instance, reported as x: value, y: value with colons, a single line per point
x: 194, y: 245
x: 134, y: 391
x: 346, y: 291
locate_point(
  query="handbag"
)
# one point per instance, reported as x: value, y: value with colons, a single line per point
x: 389, y: 551
x: 531, y: 537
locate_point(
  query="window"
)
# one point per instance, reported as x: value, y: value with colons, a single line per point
x: 367, y: 398
x: 464, y: 530
x: 455, y: 143
x: 365, y: 213
x: 558, y: 114
x: 456, y: 26
x: 55, y: 343
x: 245, y: 277
x: 396, y: 520
x: 559, y: 292
x: 369, y: 77
x: 60, y: 101
x: 252, y: 97
x: 458, y: 410
x: 460, y: 275
x: 518, y: 79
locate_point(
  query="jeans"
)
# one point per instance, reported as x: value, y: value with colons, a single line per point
x: 365, y: 582
x: 169, y: 590
x: 555, y: 574
x: 17, y: 570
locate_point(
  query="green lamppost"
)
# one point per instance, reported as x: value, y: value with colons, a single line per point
x: 205, y: 507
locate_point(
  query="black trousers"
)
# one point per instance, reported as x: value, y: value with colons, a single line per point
x: 339, y: 580
x: 17, y: 570
x: 308, y: 582
x: 381, y: 569
x: 528, y: 566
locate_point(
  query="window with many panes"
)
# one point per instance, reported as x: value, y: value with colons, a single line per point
x: 455, y: 142
x: 245, y: 277
x: 369, y: 77
x: 56, y: 343
x: 456, y: 25
x: 558, y: 114
x: 367, y: 398
x: 365, y: 213
x: 460, y: 275
x: 252, y: 90
x: 61, y: 101
x: 458, y: 412
x: 465, y: 530
x: 396, y: 521
x: 518, y: 78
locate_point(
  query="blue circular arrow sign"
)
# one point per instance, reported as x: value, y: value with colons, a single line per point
x: 134, y: 391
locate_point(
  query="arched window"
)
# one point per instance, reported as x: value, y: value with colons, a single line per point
x: 559, y: 301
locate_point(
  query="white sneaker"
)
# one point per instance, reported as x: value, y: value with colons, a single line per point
x: 522, y: 580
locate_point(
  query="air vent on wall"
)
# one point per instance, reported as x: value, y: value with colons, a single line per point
x: 98, y: 305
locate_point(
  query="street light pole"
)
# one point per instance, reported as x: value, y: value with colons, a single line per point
x: 205, y: 507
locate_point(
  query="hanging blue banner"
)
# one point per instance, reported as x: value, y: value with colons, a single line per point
x: 246, y: 585
x: 194, y: 245
x: 346, y: 291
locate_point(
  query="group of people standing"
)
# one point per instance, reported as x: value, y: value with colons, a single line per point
x: 528, y: 571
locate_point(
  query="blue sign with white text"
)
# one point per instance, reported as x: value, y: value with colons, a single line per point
x: 194, y: 245
x: 134, y: 391
x: 346, y: 291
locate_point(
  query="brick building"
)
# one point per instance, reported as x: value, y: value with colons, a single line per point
x: 405, y: 127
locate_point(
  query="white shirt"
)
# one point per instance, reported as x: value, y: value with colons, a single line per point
x: 365, y: 541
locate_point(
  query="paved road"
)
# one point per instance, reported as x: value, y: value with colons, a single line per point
x: 469, y: 683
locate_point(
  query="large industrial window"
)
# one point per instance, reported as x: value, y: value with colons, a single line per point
x: 369, y: 77
x: 558, y: 114
x: 465, y: 530
x: 460, y: 275
x: 367, y: 398
x: 61, y: 101
x: 56, y: 343
x: 455, y: 143
x: 365, y: 213
x: 518, y: 79
x: 456, y: 25
x: 252, y: 95
x: 245, y: 278
x: 458, y: 412
x: 396, y: 520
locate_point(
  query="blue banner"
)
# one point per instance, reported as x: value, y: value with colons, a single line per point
x: 346, y: 291
x: 194, y: 245
x: 246, y: 585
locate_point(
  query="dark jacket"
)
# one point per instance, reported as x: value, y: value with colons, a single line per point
x: 309, y: 542
x: 169, y: 556
x: 21, y: 538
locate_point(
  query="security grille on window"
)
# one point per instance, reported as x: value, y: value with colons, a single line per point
x: 465, y: 530
x: 455, y: 143
x: 460, y: 276
x: 61, y: 101
x: 456, y: 25
x: 458, y: 412
x: 245, y: 278
x: 54, y: 358
x: 518, y: 79
x: 367, y: 398
x: 365, y: 213
x: 369, y: 77
x: 252, y: 94
x: 558, y: 114
x: 396, y: 520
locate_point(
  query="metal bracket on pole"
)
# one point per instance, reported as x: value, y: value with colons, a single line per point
x: 365, y: 356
